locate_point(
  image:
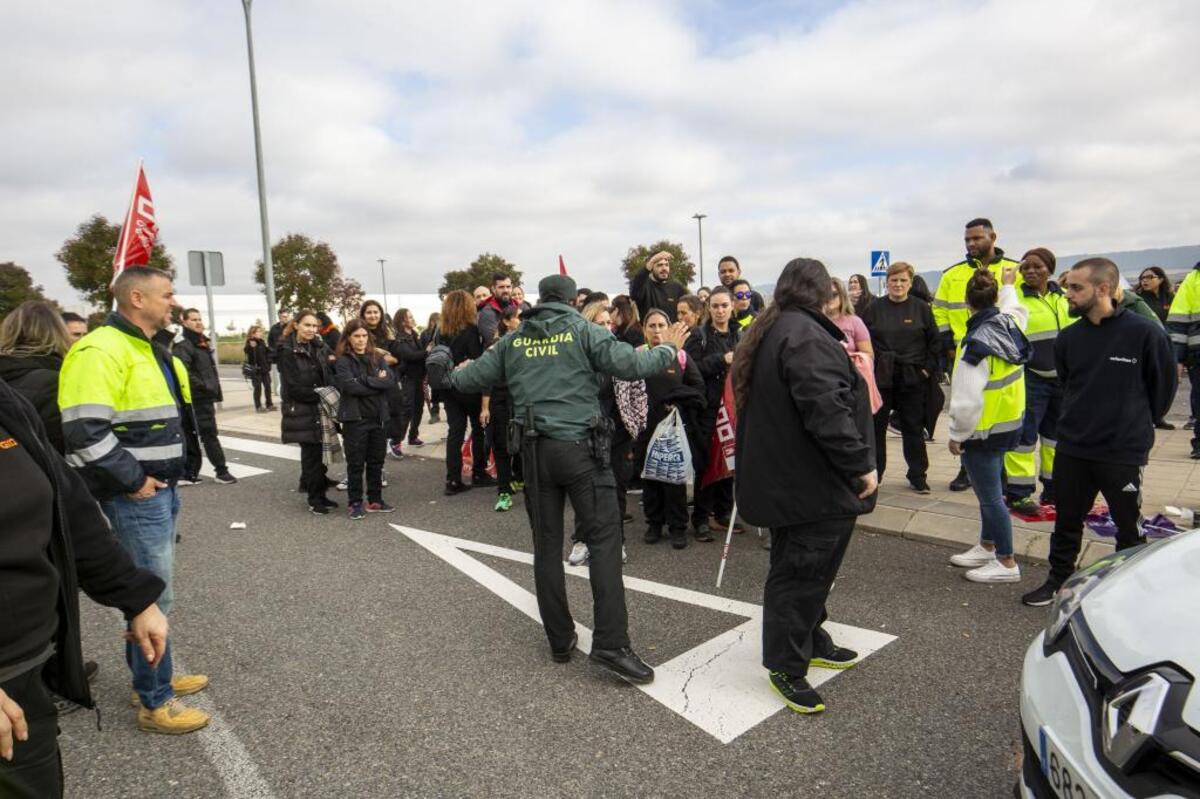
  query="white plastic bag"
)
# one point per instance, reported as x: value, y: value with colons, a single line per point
x: 668, y: 456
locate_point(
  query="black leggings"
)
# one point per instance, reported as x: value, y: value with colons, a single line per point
x: 459, y: 409
x: 312, y: 472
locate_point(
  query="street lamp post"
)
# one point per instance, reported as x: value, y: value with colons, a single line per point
x: 383, y: 277
x: 700, y: 231
x: 268, y: 267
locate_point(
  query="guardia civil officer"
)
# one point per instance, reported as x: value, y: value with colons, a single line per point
x: 549, y: 363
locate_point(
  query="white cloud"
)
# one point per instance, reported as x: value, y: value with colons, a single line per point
x: 428, y: 134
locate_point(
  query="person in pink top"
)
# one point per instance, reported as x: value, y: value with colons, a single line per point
x: 840, y: 311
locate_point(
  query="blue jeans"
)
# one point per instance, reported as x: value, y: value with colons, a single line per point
x: 984, y: 466
x: 146, y: 529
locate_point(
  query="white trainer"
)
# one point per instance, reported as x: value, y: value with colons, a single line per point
x: 994, y: 572
x: 579, y: 554
x: 975, y: 556
x: 624, y: 554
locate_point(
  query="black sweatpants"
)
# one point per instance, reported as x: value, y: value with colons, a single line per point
x: 366, y: 446
x: 412, y: 406
x: 206, y: 432
x: 35, y: 771
x: 557, y: 470
x: 911, y: 405
x: 262, y: 383
x: 665, y: 504
x: 461, y: 408
x: 312, y: 472
x: 1076, y: 482
x: 805, y: 559
x: 498, y: 433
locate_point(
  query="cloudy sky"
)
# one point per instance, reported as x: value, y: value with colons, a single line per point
x: 426, y: 133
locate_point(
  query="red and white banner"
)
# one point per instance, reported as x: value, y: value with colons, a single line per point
x: 562, y: 267
x: 723, y: 445
x: 139, y: 230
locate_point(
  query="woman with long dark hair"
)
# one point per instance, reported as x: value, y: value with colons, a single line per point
x: 410, y: 369
x: 371, y: 314
x: 258, y: 367
x: 33, y: 342
x: 626, y: 324
x: 860, y: 294
x: 806, y: 470
x: 426, y: 341
x: 1155, y: 288
x: 304, y: 366
x: 364, y: 382
x: 459, y: 332
x: 495, y: 414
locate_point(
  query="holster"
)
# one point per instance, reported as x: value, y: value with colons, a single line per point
x: 600, y: 438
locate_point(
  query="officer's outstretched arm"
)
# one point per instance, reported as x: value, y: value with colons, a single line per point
x: 614, y: 357
x: 479, y: 375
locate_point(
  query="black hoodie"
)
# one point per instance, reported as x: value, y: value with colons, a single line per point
x: 36, y: 377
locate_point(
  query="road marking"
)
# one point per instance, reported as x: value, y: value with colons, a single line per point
x: 238, y: 470
x: 719, y: 686
x: 289, y: 452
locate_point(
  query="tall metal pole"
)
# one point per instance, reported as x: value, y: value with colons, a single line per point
x: 268, y: 267
x: 383, y: 276
x: 700, y: 231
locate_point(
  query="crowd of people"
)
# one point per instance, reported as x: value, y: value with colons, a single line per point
x: 1059, y: 380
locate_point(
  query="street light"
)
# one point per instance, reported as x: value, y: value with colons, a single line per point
x: 700, y: 231
x: 383, y: 276
x: 268, y: 267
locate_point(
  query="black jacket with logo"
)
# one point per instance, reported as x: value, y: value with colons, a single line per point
x: 806, y: 434
x: 82, y: 553
x: 196, y: 352
x: 1117, y: 378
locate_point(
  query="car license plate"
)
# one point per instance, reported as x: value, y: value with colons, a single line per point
x: 1062, y: 774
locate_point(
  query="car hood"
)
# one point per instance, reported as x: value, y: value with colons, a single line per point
x: 1148, y: 612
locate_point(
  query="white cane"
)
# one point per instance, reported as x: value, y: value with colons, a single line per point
x: 728, y: 540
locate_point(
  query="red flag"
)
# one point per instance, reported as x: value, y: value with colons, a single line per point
x: 562, y: 268
x: 723, y: 446
x: 139, y: 229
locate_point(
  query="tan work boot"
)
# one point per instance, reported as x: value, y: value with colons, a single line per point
x: 173, y: 718
x: 182, y: 685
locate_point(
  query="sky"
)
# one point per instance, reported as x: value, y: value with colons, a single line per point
x: 427, y: 133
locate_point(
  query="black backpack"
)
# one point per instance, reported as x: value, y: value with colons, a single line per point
x: 439, y: 363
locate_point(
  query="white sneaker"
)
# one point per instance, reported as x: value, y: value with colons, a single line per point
x: 994, y: 572
x: 624, y: 554
x: 343, y: 484
x: 579, y: 554
x: 975, y: 556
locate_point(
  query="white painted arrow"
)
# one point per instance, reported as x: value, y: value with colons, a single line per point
x: 719, y: 685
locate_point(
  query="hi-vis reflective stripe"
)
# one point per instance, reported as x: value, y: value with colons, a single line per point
x: 77, y: 412
x: 1007, y: 380
x: 148, y: 414
x: 1042, y: 335
x: 1183, y: 318
x: 999, y: 427
x: 953, y: 306
x: 1020, y: 481
x: 98, y: 450
x: 1049, y: 442
x: 1179, y: 338
x: 1047, y: 373
x: 163, y: 453
x: 944, y: 328
x: 1023, y: 448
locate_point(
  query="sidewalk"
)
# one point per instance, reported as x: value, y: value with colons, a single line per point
x: 942, y: 517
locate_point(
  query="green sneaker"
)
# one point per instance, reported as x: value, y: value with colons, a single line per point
x: 796, y: 693
x: 504, y: 503
x: 1026, y: 505
x: 517, y: 485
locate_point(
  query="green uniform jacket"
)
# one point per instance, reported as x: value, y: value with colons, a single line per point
x: 551, y: 362
x: 1130, y: 301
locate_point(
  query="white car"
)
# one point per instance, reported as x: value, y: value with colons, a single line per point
x: 1109, y: 701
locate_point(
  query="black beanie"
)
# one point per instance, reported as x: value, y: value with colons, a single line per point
x: 556, y: 288
x: 1043, y: 255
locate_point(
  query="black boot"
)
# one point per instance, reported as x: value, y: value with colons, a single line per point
x: 624, y: 663
x: 962, y: 482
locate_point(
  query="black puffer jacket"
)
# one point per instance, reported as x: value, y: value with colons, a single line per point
x: 302, y: 369
x: 82, y: 550
x: 196, y: 352
x: 36, y: 378
x: 363, y: 391
x: 708, y: 350
x: 257, y: 355
x: 410, y: 354
x: 806, y: 434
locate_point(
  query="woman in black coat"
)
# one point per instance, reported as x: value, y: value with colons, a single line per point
x: 258, y: 360
x: 304, y: 366
x: 365, y: 383
x: 459, y: 332
x: 33, y: 343
x: 806, y: 470
x: 665, y: 504
x: 410, y: 354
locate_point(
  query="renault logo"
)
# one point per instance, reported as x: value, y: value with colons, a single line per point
x: 1131, y: 718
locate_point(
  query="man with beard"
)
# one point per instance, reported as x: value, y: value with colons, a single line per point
x: 729, y: 270
x: 950, y: 311
x: 492, y: 309
x: 196, y: 351
x: 652, y: 287
x: 1118, y: 376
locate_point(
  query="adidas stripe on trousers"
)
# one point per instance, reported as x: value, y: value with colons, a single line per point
x: 1076, y: 483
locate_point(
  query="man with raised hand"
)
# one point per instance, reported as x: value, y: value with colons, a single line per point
x: 652, y: 286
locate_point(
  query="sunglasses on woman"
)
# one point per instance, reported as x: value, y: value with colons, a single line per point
x: 742, y: 295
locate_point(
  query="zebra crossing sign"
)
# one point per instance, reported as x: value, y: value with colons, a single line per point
x: 880, y: 261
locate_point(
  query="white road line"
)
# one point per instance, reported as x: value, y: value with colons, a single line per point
x: 719, y: 685
x: 289, y: 452
x: 238, y: 470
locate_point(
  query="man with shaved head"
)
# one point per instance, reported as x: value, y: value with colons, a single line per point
x: 123, y: 397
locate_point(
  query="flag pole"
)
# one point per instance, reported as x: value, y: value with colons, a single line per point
x: 728, y: 541
x: 125, y: 226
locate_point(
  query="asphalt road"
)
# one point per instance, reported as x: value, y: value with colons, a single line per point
x: 346, y: 660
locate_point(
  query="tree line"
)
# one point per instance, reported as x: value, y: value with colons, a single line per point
x: 306, y: 271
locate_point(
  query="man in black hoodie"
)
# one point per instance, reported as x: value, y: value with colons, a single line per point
x: 197, y: 353
x: 652, y: 287
x: 53, y: 541
x: 1118, y: 375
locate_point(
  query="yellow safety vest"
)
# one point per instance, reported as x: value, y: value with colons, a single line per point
x: 1003, y: 397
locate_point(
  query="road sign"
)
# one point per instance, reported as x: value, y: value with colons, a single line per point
x: 880, y: 261
x: 719, y: 686
x: 207, y: 269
